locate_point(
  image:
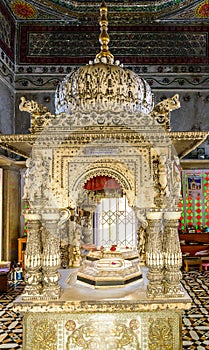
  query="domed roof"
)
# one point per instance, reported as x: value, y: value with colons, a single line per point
x: 103, y: 85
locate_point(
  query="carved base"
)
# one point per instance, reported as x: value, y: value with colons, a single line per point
x: 172, y: 283
x: 130, y: 321
x: 155, y: 291
x: 155, y: 288
x: 173, y: 291
x: 31, y: 292
x: 53, y: 292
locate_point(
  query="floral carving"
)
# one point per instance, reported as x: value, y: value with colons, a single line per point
x: 112, y: 335
x: 160, y: 334
x: 45, y: 335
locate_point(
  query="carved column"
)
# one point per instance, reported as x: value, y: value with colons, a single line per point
x: 154, y: 255
x: 172, y: 255
x: 33, y: 257
x: 75, y: 242
x: 50, y: 256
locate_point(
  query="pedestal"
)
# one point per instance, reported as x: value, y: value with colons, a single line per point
x: 85, y: 318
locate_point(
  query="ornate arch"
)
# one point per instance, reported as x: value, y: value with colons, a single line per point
x: 117, y: 170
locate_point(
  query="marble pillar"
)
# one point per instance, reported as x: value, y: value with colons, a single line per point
x: 51, y: 255
x: 154, y: 255
x: 33, y: 252
x: 172, y: 255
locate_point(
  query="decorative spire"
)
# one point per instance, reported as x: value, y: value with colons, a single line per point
x: 104, y: 55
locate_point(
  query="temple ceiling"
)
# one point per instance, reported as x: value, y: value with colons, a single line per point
x: 142, y: 11
x: 63, y: 32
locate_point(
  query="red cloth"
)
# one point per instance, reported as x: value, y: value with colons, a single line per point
x: 101, y: 183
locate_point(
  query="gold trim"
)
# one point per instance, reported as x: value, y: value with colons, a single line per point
x: 104, y: 56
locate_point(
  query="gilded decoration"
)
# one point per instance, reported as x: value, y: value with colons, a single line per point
x: 100, y: 329
x: 45, y: 335
x: 104, y: 335
x: 161, y: 334
x: 40, y: 115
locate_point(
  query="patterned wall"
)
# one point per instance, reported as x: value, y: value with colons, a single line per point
x: 7, y: 32
x: 133, y: 45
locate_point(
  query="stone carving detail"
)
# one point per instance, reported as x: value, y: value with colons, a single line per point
x: 160, y: 334
x: 40, y: 115
x: 154, y: 255
x: 63, y: 234
x: 176, y: 182
x: 50, y: 257
x: 37, y: 189
x: 139, y: 159
x: 75, y: 241
x: 167, y: 181
x: 122, y: 90
x: 44, y: 335
x: 172, y: 256
x: 112, y: 335
x: 33, y: 275
x: 87, y: 228
x: 142, y: 234
x: 161, y: 111
x: 109, y: 167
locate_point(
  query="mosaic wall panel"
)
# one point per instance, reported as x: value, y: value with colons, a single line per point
x: 7, y: 30
x: 138, y: 45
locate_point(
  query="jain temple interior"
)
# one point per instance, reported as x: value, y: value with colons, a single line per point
x: 104, y: 174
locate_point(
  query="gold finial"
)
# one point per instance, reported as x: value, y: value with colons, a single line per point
x: 104, y: 55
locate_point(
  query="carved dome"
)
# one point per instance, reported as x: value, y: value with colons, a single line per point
x: 103, y: 85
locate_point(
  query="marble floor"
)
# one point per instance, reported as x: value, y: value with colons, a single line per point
x: 195, y: 331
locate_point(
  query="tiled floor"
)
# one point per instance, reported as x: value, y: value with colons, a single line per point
x: 195, y: 321
x: 10, y: 322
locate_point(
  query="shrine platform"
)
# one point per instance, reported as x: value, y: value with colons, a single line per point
x: 112, y: 318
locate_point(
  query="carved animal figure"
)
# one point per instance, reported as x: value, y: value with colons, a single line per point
x: 161, y: 112
x: 40, y: 115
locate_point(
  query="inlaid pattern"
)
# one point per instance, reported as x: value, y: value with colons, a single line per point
x: 10, y: 322
x: 127, y: 43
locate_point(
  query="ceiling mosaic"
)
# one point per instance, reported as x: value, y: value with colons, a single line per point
x: 136, y: 45
x: 64, y: 32
x: 128, y: 11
